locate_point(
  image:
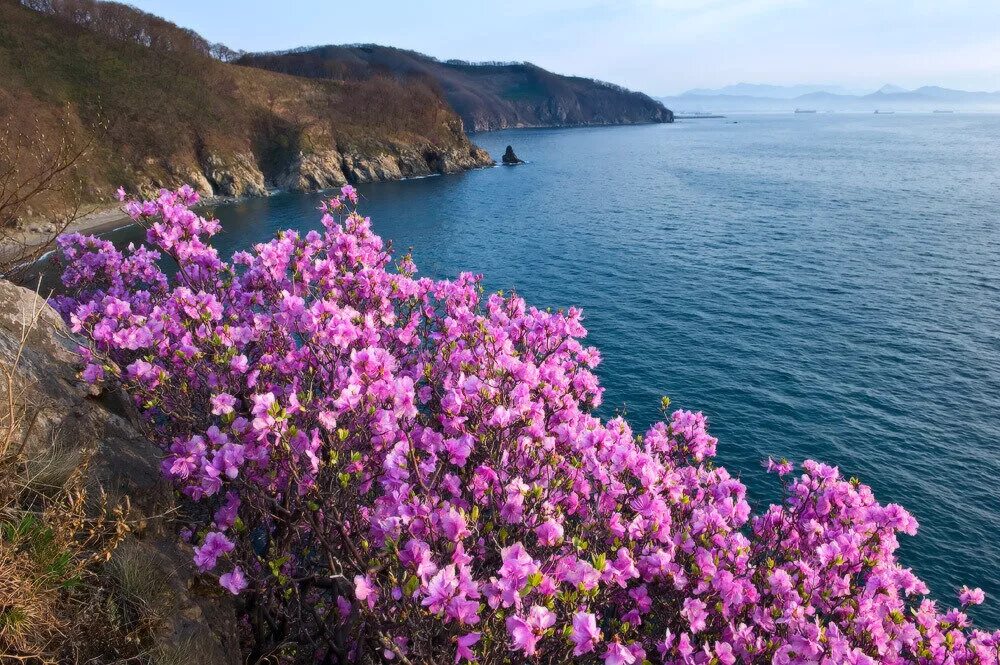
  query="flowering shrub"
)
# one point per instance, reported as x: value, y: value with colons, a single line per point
x: 404, y: 468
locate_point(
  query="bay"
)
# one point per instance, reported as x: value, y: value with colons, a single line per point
x: 821, y: 286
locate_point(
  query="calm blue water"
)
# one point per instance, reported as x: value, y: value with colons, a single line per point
x: 821, y: 286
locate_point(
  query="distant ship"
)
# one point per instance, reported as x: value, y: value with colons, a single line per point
x: 877, y: 112
x: 805, y: 110
x: 943, y: 111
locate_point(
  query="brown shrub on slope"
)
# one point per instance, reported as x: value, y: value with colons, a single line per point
x: 161, y: 112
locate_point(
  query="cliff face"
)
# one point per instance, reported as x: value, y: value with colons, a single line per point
x: 159, y: 118
x: 487, y: 96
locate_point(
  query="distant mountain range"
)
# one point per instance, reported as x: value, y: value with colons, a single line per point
x: 758, y: 97
x: 765, y: 90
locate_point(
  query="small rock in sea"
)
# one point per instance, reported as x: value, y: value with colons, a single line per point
x: 510, y: 158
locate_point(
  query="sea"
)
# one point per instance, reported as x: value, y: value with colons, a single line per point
x: 822, y: 286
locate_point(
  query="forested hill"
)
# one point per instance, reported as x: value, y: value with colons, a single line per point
x: 158, y: 109
x: 488, y: 96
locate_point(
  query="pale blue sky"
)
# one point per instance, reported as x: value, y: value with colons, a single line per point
x: 658, y: 46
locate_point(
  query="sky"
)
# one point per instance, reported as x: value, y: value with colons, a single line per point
x: 661, y: 47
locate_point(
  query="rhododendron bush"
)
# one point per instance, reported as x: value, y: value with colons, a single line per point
x: 394, y: 468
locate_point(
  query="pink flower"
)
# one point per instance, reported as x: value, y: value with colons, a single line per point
x: 517, y: 565
x: 453, y: 525
x: 222, y: 404
x: 522, y: 637
x: 549, y: 532
x: 525, y: 634
x: 226, y: 515
x: 93, y: 373
x: 365, y: 591
x: 585, y: 633
x: 540, y: 618
x: 695, y: 612
x: 464, y: 650
x: 440, y: 589
x: 233, y: 581
x: 239, y: 364
x: 969, y: 596
x: 724, y: 652
x: 215, y: 545
x: 459, y: 449
x: 782, y: 467
x: 618, y: 655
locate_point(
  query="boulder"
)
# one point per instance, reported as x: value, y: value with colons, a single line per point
x: 69, y: 424
x: 509, y: 158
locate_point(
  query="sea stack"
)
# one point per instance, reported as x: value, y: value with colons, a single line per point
x: 509, y: 158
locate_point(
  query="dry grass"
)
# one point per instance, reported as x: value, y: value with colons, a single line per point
x: 52, y: 538
x: 139, y: 586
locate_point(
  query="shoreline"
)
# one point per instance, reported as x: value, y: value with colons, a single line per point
x: 22, y: 244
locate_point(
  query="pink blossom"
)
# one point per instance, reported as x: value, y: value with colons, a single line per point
x: 215, y: 545
x: 969, y: 596
x: 365, y: 591
x: 618, y: 655
x: 464, y: 644
x: 233, y: 581
x: 550, y: 532
x: 222, y: 404
x: 585, y: 633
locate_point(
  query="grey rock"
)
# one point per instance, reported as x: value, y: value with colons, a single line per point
x: 73, y: 422
x: 235, y: 175
x: 313, y: 172
x: 509, y: 158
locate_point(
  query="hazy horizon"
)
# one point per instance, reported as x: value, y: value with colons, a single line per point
x: 793, y: 88
x: 690, y: 43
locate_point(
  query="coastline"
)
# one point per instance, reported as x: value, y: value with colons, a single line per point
x: 22, y: 244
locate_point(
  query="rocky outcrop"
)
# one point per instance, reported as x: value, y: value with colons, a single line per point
x: 370, y: 169
x: 240, y: 174
x: 237, y: 175
x: 313, y: 172
x: 322, y: 169
x: 509, y: 158
x: 194, y: 177
x: 408, y: 161
x: 74, y: 425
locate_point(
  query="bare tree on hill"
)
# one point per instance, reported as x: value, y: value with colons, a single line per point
x: 37, y: 168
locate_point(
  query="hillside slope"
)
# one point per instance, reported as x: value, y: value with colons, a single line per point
x: 159, y: 117
x: 488, y: 96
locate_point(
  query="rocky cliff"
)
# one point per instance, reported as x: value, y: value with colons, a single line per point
x: 487, y: 96
x: 72, y: 426
x: 158, y: 116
